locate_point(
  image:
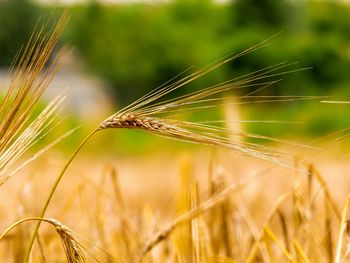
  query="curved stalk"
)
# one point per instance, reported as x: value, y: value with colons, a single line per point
x: 52, y: 191
x: 3, y: 234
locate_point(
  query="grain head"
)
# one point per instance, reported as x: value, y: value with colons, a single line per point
x: 29, y: 77
x: 158, y: 113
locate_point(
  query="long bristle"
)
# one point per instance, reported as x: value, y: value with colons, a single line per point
x: 155, y: 114
x: 30, y: 76
x: 72, y: 248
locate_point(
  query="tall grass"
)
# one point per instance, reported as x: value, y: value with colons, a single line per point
x: 217, y: 228
x: 141, y: 114
x: 28, y: 79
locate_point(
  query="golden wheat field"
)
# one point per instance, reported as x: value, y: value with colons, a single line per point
x: 228, y: 199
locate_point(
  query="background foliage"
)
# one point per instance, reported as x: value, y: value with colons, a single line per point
x: 137, y: 47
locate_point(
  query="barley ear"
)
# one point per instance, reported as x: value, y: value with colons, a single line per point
x: 72, y: 248
x: 29, y: 77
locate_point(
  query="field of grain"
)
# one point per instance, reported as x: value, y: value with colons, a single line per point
x: 200, y: 206
x: 231, y: 198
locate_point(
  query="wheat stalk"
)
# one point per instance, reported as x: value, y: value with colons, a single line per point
x: 27, y: 81
x: 29, y: 77
x: 72, y: 248
x: 342, y: 230
x: 149, y: 113
x: 193, y: 213
x: 27, y: 139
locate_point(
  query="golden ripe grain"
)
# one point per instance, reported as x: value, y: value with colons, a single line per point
x: 232, y: 232
x: 28, y: 80
x: 72, y: 248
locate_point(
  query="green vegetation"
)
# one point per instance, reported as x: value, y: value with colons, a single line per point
x: 136, y: 47
x: 17, y: 19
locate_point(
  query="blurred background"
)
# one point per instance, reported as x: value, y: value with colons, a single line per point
x: 122, y: 49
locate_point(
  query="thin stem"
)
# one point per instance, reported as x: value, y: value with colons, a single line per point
x: 52, y: 191
x: 3, y: 234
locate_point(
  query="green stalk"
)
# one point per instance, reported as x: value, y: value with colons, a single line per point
x: 53, y: 189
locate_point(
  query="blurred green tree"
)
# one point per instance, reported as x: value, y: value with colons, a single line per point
x: 138, y: 47
x: 17, y: 20
x: 270, y: 13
